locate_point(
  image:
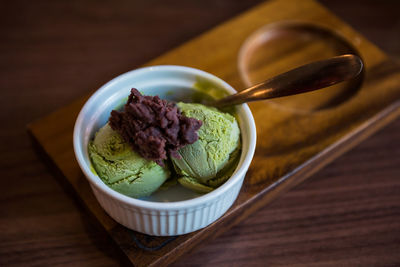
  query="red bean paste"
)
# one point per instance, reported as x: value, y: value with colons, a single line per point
x: 154, y: 128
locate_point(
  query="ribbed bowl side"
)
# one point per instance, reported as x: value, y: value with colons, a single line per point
x: 168, y: 222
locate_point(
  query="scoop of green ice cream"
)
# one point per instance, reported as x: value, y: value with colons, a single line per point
x: 121, y: 168
x: 208, y: 160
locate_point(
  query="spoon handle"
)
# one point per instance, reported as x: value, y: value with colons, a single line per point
x: 309, y: 77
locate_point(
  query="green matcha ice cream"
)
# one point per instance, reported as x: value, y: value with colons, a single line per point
x: 209, y: 161
x: 121, y: 168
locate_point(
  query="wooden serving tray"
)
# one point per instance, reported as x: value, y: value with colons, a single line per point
x: 292, y: 143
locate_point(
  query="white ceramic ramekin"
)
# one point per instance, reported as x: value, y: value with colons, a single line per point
x: 155, y: 216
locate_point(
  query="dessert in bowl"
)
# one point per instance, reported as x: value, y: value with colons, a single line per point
x: 176, y: 209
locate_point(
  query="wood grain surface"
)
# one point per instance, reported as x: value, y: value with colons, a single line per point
x: 55, y: 52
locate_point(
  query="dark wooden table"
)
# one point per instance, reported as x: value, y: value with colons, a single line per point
x: 55, y: 51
